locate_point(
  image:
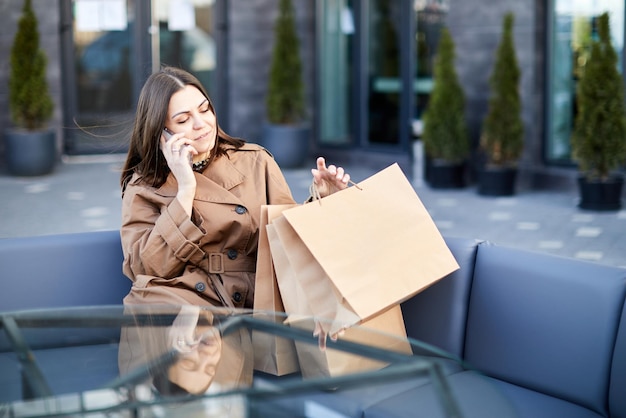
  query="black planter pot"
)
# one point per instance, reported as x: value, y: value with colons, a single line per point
x: 600, y: 195
x: 497, y: 181
x: 289, y: 144
x: 444, y: 175
x: 30, y: 153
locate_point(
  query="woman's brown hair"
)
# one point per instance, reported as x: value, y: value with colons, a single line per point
x: 144, y: 154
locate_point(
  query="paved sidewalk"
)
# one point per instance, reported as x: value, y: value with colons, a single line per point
x: 83, y: 195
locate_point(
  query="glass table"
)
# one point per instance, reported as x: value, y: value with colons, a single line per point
x: 157, y: 361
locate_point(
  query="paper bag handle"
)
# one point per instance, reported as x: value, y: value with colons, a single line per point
x: 314, y: 193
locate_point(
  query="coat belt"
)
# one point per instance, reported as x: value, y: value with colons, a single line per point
x: 220, y: 263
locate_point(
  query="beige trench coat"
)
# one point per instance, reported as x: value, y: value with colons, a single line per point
x: 209, y: 259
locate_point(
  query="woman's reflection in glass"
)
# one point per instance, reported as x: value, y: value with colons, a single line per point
x: 186, y: 357
x: 199, y: 350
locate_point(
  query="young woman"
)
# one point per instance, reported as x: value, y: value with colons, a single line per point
x: 192, y: 196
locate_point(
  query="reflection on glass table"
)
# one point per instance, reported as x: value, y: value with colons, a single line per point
x: 172, y: 360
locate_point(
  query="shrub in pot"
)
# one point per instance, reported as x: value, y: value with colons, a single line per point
x: 445, y: 130
x: 30, y: 147
x: 502, y: 136
x: 285, y: 133
x: 599, y: 135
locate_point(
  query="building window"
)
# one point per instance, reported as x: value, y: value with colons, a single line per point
x: 573, y: 28
x: 383, y: 71
x: 430, y: 17
x: 336, y: 33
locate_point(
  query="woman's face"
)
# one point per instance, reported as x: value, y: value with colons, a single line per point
x: 189, y: 113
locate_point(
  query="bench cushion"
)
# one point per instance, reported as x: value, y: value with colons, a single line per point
x: 475, y: 396
x: 617, y: 393
x: 75, y: 369
x: 10, y: 389
x: 531, y: 404
x: 66, y: 370
x: 346, y: 402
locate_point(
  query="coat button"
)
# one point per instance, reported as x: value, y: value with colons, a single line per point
x: 237, y: 297
x: 240, y: 209
x: 232, y: 254
x: 200, y: 287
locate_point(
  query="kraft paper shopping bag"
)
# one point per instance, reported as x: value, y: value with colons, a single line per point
x: 362, y: 250
x: 385, y: 331
x: 272, y: 354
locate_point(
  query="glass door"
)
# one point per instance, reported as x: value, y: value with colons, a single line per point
x: 383, y: 71
x: 573, y: 28
x: 102, y: 62
x: 366, y: 58
x: 186, y: 37
x: 111, y: 46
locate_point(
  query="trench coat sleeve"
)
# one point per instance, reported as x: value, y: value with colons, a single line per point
x: 278, y: 192
x: 158, y: 237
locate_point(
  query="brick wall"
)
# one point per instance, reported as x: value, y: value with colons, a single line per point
x: 251, y: 38
x: 476, y: 26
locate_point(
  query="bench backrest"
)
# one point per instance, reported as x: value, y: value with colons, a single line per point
x: 438, y: 314
x: 546, y: 323
x: 62, y: 270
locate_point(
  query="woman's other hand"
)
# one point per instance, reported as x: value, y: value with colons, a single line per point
x: 329, y: 180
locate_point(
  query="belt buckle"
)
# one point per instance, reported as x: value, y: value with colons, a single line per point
x: 216, y: 263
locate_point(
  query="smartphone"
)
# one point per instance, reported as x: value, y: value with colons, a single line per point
x: 167, y: 133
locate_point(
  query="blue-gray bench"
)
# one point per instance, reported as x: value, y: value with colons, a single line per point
x: 548, y: 332
x: 55, y: 271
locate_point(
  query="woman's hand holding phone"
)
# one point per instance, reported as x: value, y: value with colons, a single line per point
x: 179, y: 156
x: 184, y: 147
x: 177, y: 146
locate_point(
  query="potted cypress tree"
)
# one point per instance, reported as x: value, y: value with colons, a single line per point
x: 502, y: 137
x: 599, y: 135
x: 30, y: 147
x: 285, y: 133
x: 445, y: 131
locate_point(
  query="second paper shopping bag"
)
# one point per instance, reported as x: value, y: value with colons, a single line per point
x: 385, y: 330
x: 272, y: 354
